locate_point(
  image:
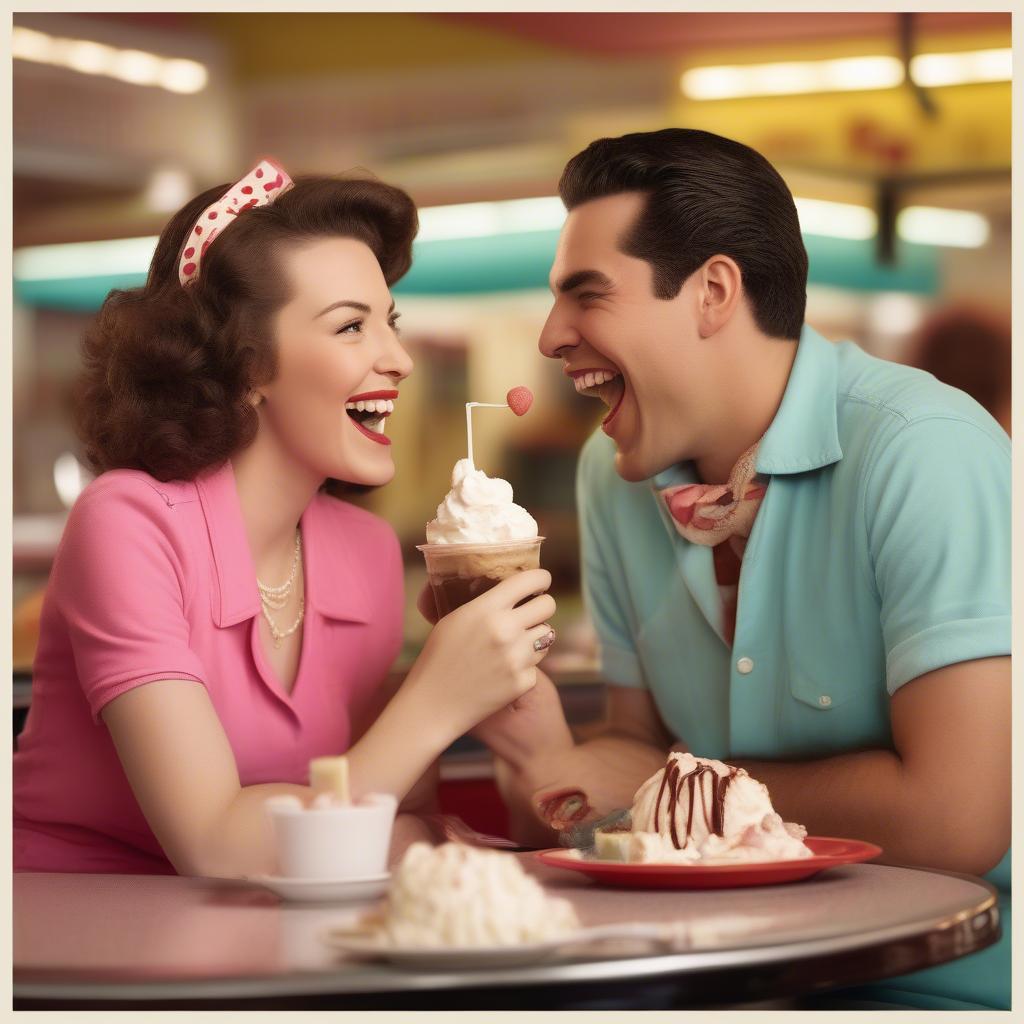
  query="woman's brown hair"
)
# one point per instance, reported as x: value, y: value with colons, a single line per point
x: 168, y: 370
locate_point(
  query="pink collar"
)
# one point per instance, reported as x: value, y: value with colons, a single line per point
x: 333, y: 584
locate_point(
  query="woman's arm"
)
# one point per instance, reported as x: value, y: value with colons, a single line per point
x: 181, y: 768
x: 182, y: 771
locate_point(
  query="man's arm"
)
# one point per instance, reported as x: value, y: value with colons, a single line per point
x: 535, y: 754
x: 941, y: 799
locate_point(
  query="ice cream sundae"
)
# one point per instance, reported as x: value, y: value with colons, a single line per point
x: 697, y: 810
x: 457, y: 895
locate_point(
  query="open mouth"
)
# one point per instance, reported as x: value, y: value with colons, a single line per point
x: 602, y: 383
x: 369, y: 413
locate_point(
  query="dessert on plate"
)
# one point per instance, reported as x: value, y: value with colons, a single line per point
x: 459, y: 896
x: 696, y: 811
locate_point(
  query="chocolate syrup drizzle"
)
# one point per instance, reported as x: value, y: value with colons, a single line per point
x: 673, y: 780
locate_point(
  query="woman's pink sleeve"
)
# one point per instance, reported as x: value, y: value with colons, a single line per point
x: 120, y: 584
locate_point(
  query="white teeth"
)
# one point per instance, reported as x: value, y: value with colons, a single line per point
x: 377, y: 427
x: 593, y: 379
x: 380, y: 406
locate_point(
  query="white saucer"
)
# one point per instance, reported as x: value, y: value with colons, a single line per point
x: 319, y: 890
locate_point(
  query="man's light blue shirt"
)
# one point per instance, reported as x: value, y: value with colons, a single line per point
x: 881, y: 552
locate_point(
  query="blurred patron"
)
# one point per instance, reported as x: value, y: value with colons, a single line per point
x: 969, y: 348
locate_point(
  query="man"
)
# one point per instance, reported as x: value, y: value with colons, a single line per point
x: 859, y: 666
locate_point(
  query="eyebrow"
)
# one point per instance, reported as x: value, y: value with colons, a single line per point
x: 581, y: 277
x: 352, y: 304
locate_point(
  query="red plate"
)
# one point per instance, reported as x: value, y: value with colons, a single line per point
x: 828, y: 853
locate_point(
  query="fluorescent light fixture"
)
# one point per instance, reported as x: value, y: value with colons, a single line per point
x: 835, y: 220
x: 183, y: 76
x: 478, y: 220
x: 89, y: 58
x: 27, y: 44
x: 930, y: 225
x: 844, y: 74
x: 935, y: 69
x: 84, y: 259
x: 137, y: 67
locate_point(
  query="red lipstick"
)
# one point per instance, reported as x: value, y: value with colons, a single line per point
x: 366, y: 395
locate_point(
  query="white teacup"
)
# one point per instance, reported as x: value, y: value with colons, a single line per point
x: 333, y: 843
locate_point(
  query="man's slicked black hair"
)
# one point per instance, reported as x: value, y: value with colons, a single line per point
x: 706, y: 196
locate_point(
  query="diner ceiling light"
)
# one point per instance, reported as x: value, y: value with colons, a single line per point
x: 478, y: 220
x: 780, y: 79
x: 929, y: 225
x: 920, y: 224
x: 720, y: 82
x: 835, y: 220
x: 84, y: 259
x: 87, y: 57
x: 932, y: 69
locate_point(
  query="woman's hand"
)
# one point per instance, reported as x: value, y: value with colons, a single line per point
x: 481, y: 657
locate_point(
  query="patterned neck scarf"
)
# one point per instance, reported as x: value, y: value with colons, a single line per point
x: 721, y: 516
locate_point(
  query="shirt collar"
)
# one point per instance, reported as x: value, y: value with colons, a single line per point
x: 335, y: 591
x: 805, y: 433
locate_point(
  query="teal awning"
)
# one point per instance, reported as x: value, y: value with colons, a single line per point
x: 516, y: 262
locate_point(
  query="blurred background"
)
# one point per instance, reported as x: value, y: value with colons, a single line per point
x: 893, y: 132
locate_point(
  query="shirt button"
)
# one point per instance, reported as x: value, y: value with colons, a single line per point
x: 745, y: 666
x: 825, y: 700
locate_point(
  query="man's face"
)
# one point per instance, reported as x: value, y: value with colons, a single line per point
x: 607, y: 325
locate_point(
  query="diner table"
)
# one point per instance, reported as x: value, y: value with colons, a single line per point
x: 169, y: 942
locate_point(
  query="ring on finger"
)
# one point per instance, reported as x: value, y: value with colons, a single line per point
x: 542, y: 643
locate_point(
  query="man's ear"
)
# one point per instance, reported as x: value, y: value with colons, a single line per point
x: 720, y: 288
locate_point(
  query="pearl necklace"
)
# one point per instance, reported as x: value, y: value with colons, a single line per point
x: 277, y: 597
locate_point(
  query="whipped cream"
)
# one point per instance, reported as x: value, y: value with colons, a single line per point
x: 458, y: 895
x: 699, y: 810
x: 479, y: 510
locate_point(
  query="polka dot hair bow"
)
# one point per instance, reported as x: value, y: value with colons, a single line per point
x: 262, y: 185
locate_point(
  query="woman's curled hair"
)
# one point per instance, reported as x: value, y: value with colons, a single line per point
x: 168, y: 370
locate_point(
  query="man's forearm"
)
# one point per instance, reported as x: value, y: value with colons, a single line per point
x: 869, y: 795
x: 608, y: 768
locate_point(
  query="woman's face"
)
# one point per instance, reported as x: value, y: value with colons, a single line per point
x: 337, y: 345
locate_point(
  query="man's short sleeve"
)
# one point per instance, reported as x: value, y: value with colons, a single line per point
x: 603, y: 577
x: 118, y: 581
x: 937, y: 507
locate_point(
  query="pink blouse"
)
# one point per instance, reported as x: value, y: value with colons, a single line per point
x: 156, y: 581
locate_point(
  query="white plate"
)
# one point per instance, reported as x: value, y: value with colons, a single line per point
x: 361, y: 943
x: 318, y: 890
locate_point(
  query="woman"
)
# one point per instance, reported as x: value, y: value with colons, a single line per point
x: 214, y: 619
